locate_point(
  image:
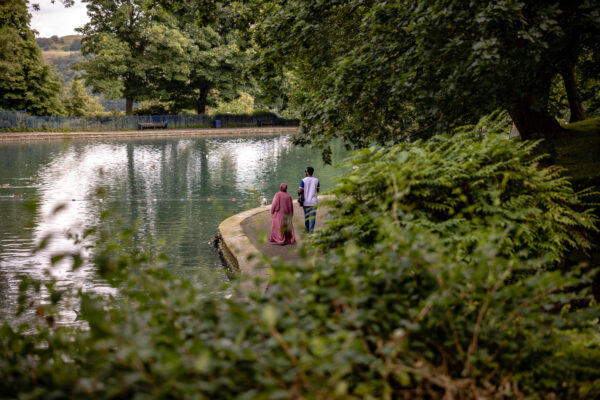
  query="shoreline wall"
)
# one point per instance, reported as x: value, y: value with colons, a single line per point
x: 6, y: 137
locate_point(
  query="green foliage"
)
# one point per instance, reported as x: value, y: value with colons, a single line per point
x: 587, y: 76
x: 44, y: 43
x: 589, y: 126
x: 25, y: 81
x: 140, y: 51
x: 214, y: 62
x: 75, y: 45
x: 64, y: 65
x: 133, y: 45
x: 590, y: 80
x: 401, y: 317
x: 78, y: 102
x: 458, y: 185
x: 152, y: 107
x: 242, y: 105
x: 381, y: 71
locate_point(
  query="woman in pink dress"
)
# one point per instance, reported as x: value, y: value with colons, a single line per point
x: 282, y: 210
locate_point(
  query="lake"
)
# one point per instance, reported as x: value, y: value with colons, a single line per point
x: 176, y: 191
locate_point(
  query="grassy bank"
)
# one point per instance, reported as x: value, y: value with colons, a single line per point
x: 578, y: 150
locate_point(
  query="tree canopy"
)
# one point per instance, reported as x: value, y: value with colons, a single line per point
x: 140, y: 50
x: 78, y: 102
x: 25, y: 81
x: 131, y: 44
x: 215, y: 69
x: 379, y: 71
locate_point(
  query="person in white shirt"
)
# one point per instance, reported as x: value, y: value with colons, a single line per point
x: 310, y: 187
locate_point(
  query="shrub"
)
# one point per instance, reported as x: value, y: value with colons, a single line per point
x: 456, y: 185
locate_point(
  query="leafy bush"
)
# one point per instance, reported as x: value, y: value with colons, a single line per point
x: 391, y: 313
x: 455, y: 186
x: 263, y: 112
x: 153, y: 108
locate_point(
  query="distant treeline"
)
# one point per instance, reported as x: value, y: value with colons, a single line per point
x: 64, y: 43
x: 64, y: 65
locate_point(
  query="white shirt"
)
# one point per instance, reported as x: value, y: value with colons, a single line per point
x: 310, y: 185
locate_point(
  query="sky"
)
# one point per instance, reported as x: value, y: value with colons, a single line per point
x: 55, y: 19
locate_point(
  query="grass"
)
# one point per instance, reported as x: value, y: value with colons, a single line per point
x: 588, y: 126
x: 578, y: 150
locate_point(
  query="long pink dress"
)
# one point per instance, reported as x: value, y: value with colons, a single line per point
x: 282, y: 210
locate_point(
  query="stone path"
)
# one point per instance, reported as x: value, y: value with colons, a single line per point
x: 245, y: 239
x: 258, y: 226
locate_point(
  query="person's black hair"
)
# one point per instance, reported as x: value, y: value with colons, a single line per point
x: 310, y: 170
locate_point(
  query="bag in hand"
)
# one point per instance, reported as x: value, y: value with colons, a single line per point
x: 301, y: 198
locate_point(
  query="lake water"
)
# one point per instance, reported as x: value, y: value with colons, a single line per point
x: 176, y: 190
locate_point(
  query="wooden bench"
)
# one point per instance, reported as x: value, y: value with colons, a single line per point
x: 269, y: 122
x: 153, y: 125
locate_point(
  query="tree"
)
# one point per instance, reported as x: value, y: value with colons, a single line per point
x: 172, y: 52
x: 583, y: 81
x: 75, y: 45
x: 213, y: 58
x: 25, y: 81
x: 215, y: 64
x: 132, y: 45
x: 244, y: 104
x: 588, y: 69
x: 371, y: 70
x: 78, y: 102
x: 44, y: 43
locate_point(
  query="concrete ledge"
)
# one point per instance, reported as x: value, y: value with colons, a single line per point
x: 242, y: 256
x: 6, y: 137
x: 238, y: 252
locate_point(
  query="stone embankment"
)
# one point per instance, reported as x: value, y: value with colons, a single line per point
x: 239, y: 254
x: 6, y: 137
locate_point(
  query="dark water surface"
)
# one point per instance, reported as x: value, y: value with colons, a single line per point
x: 177, y: 190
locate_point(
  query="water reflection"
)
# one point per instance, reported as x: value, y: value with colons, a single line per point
x: 177, y: 190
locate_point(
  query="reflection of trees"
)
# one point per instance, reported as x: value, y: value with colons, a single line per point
x: 166, y: 169
x: 132, y: 186
x: 58, y: 170
x: 18, y: 163
x: 205, y: 177
x: 178, y: 213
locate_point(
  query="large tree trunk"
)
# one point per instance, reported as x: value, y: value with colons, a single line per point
x: 529, y: 111
x: 568, y: 75
x: 129, y: 106
x: 201, y: 103
x: 533, y: 124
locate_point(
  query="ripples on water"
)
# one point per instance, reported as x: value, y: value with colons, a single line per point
x: 177, y: 190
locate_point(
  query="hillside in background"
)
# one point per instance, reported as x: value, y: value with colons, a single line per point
x: 63, y: 43
x: 63, y: 62
x: 63, y: 53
